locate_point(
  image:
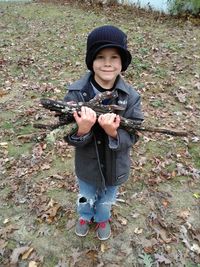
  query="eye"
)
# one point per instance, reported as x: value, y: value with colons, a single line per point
x: 115, y: 56
x: 99, y: 57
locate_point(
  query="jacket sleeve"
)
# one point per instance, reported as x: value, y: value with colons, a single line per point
x: 79, y: 141
x: 72, y: 139
x: 133, y: 111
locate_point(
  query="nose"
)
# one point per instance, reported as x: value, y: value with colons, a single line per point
x: 107, y: 62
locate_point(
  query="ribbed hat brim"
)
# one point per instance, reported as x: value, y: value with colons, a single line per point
x: 124, y: 53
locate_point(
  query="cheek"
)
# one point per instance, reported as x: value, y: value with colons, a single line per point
x: 95, y: 65
x: 118, y: 64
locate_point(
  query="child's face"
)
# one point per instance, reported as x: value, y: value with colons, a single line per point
x: 107, y: 66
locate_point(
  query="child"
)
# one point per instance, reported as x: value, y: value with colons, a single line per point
x: 102, y: 148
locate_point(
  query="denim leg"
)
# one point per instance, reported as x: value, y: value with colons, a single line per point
x: 104, y: 203
x: 86, y: 200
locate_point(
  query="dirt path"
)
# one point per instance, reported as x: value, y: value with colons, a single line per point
x: 156, y: 221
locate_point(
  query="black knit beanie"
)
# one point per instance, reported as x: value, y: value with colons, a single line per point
x: 104, y: 37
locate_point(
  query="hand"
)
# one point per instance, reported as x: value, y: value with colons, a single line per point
x: 110, y: 123
x: 85, y: 119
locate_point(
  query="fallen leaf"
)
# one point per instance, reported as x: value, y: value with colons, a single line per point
x: 181, y: 97
x: 138, y: 231
x: 195, y: 248
x: 76, y: 255
x: 146, y: 260
x: 45, y: 166
x: 4, y: 144
x: 103, y: 247
x: 16, y: 254
x: 2, y: 93
x: 162, y: 259
x: 122, y: 220
x: 165, y: 203
x: 6, y: 221
x: 27, y: 254
x: 184, y: 214
x: 196, y: 195
x: 135, y: 215
x: 32, y: 264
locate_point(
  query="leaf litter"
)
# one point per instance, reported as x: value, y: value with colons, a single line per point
x: 156, y: 219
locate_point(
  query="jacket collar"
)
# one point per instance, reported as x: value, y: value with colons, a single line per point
x: 78, y: 85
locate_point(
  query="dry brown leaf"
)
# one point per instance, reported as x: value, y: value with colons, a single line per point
x: 184, y: 214
x: 2, y: 93
x: 165, y: 203
x: 4, y: 144
x: 6, y: 221
x: 138, y: 231
x: 45, y: 166
x: 32, y: 264
x: 27, y: 254
x: 103, y: 247
x: 122, y: 220
x: 16, y: 254
x: 195, y: 248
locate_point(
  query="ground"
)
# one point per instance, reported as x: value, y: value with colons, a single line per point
x: 156, y: 221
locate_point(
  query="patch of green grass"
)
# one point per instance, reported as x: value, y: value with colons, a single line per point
x: 139, y: 39
x: 143, y: 51
x: 160, y: 72
x: 28, y: 129
x: 6, y: 125
x: 191, y: 264
x: 67, y: 164
x: 51, y: 260
x: 12, y: 244
x: 178, y: 180
x: 171, y: 46
x: 194, y: 150
x: 139, y: 65
x: 157, y: 148
x: 16, y: 150
x: 157, y: 103
x: 5, y: 192
x: 58, y: 166
x: 61, y: 195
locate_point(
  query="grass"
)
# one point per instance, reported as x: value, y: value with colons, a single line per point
x: 194, y: 151
x: 42, y: 50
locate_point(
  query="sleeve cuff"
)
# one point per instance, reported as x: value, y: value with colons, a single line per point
x: 113, y: 143
x: 74, y: 137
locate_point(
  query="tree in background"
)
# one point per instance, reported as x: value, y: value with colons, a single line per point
x: 184, y: 6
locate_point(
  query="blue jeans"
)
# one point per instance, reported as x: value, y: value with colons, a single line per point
x: 94, y: 204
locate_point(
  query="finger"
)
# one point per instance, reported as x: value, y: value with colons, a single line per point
x: 76, y: 115
x: 118, y: 119
x: 91, y: 112
x: 100, y: 118
x: 110, y: 118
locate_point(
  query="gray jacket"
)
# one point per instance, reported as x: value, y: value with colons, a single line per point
x: 100, y: 159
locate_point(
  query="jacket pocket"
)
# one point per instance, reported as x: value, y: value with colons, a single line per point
x: 122, y: 165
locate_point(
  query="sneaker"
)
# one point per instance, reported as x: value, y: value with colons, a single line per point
x: 82, y: 227
x: 103, y: 230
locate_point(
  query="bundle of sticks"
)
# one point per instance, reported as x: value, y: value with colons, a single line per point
x: 65, y: 112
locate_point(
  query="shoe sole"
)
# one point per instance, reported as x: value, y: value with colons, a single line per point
x: 105, y: 238
x: 78, y: 234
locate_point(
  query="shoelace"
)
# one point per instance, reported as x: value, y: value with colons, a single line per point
x: 101, y: 224
x: 82, y: 222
